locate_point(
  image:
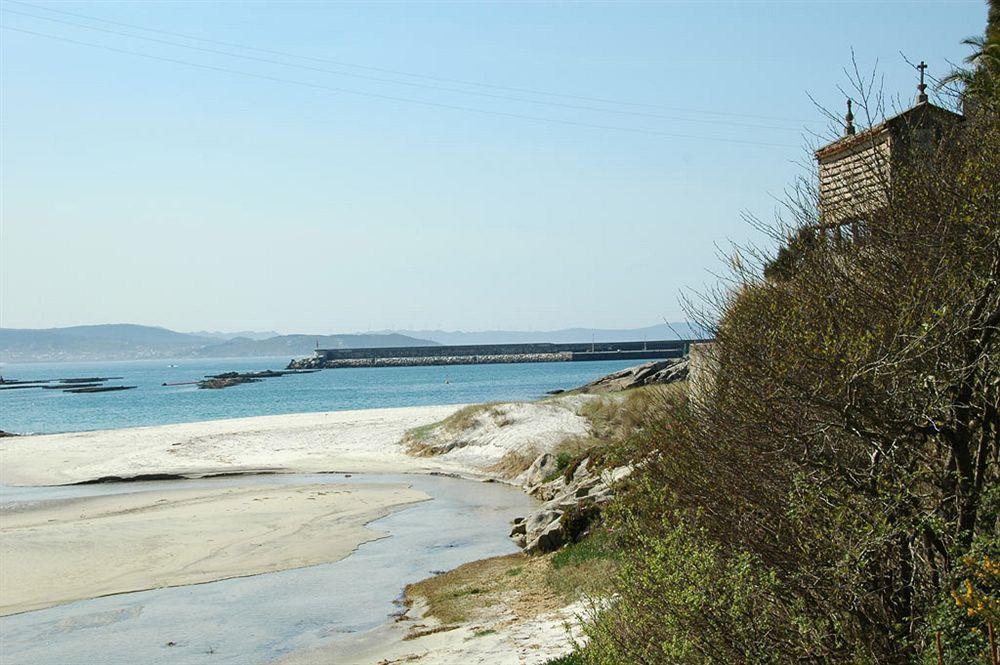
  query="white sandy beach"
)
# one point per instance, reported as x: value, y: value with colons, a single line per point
x: 353, y: 441
x: 362, y: 441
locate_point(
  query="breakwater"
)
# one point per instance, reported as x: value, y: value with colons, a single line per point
x: 448, y: 360
x: 483, y: 354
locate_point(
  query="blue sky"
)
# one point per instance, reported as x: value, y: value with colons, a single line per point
x: 344, y: 193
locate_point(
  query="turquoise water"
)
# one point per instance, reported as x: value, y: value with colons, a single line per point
x: 47, y: 411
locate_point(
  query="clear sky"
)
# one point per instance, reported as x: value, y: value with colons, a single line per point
x: 417, y: 164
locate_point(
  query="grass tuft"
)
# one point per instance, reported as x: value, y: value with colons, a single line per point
x: 593, y: 548
x: 484, y: 633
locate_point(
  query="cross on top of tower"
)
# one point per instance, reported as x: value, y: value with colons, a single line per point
x: 922, y: 96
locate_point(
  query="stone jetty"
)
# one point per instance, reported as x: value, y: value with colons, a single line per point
x: 315, y: 362
x: 483, y: 354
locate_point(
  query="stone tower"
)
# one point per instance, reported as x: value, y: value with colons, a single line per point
x: 856, y: 170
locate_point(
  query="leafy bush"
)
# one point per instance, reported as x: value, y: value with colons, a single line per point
x: 684, y: 601
x: 832, y: 496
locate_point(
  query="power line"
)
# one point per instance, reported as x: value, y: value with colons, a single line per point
x: 406, y: 83
x: 373, y: 95
x: 403, y: 73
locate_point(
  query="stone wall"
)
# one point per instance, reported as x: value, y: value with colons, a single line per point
x: 855, y: 179
x: 702, y: 369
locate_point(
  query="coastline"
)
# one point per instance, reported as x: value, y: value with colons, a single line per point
x: 359, y: 441
x: 416, y: 638
x: 362, y: 441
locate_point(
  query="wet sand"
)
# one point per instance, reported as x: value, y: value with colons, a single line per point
x: 258, y: 619
x: 59, y: 551
x: 82, y: 546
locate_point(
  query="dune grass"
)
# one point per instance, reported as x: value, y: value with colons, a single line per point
x: 427, y: 440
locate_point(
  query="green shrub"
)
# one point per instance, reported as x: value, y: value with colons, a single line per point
x: 680, y: 599
x: 831, y: 496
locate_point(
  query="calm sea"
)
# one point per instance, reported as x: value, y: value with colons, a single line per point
x: 46, y: 411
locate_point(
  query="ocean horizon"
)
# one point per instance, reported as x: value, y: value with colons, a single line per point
x: 40, y: 411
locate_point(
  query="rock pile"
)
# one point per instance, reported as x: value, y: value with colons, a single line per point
x: 312, y: 362
x: 647, y: 374
x: 227, y: 379
x: 572, y: 499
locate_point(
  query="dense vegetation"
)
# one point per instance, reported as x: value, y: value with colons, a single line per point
x: 832, y: 496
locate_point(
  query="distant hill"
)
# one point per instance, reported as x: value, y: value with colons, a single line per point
x: 302, y: 345
x: 564, y: 336
x: 101, y: 342
x: 249, y: 334
x: 134, y: 342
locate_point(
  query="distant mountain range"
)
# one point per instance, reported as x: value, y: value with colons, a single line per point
x: 134, y: 342
x: 249, y: 334
x: 563, y: 336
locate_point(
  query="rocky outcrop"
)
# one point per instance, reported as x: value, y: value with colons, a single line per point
x: 543, y: 467
x: 647, y: 374
x: 571, y: 504
x: 312, y: 362
x: 220, y: 382
x: 227, y: 379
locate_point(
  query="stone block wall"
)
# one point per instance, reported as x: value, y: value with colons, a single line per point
x: 702, y: 369
x: 855, y: 180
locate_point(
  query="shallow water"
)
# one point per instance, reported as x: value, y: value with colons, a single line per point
x: 45, y: 411
x: 261, y: 618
